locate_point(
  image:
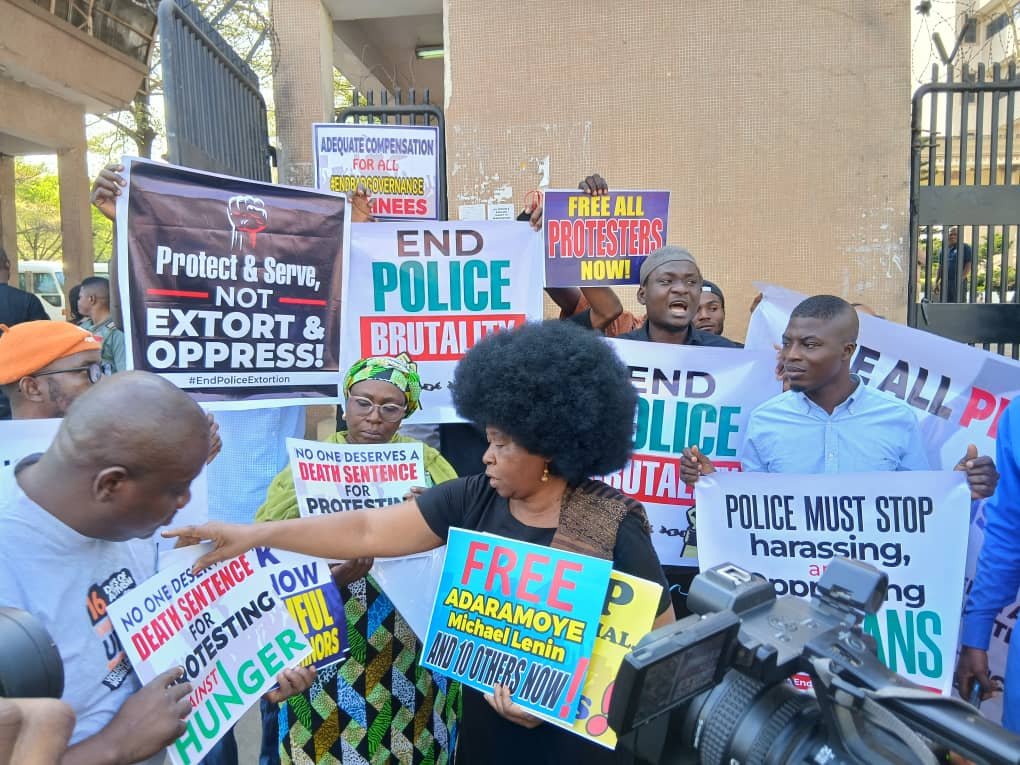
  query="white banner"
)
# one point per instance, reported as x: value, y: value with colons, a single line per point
x: 224, y: 625
x: 687, y: 396
x: 788, y: 527
x: 397, y: 164
x: 432, y: 290
x: 957, y: 392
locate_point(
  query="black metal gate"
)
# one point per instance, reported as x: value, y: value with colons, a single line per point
x: 215, y: 115
x: 965, y: 209
x: 399, y: 112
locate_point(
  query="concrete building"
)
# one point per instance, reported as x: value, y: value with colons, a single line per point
x: 781, y: 129
x: 61, y: 59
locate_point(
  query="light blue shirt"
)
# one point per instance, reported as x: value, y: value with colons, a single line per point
x: 254, y: 451
x: 869, y: 431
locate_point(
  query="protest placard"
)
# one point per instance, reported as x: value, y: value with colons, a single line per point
x: 628, y: 615
x: 231, y: 288
x: 397, y: 164
x: 312, y: 598
x: 332, y: 478
x: 788, y: 527
x: 601, y: 240
x: 518, y: 614
x: 687, y: 396
x: 957, y: 392
x: 224, y: 625
x: 432, y: 290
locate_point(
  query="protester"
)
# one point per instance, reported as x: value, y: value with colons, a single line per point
x: 996, y: 579
x: 46, y: 365
x: 71, y: 525
x: 239, y: 478
x: 16, y: 305
x: 73, y: 314
x: 671, y: 289
x: 367, y: 691
x: 94, y: 303
x: 557, y: 406
x: 829, y: 421
x: 711, y: 316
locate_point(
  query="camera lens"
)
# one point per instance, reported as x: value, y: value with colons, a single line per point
x: 743, y: 720
x: 30, y: 665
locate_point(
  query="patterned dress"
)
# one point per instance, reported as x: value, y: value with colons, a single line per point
x: 379, y: 706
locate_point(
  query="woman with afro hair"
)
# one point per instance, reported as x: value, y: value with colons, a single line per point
x: 557, y: 407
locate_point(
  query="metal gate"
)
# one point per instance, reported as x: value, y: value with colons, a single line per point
x: 215, y: 115
x: 965, y: 209
x: 398, y: 112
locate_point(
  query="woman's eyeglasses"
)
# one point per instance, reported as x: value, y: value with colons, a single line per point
x: 387, y: 412
x: 96, y: 371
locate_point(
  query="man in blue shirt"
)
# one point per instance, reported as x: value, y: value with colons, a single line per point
x: 829, y: 421
x: 996, y: 580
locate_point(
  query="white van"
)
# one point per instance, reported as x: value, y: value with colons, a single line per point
x: 45, y: 278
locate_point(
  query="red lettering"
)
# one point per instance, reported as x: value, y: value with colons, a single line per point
x: 472, y: 563
x: 504, y: 561
x: 980, y: 407
x: 304, y: 471
x: 528, y: 574
x: 144, y: 651
x: 560, y: 582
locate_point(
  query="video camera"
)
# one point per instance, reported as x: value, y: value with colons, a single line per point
x: 713, y: 688
x: 30, y: 665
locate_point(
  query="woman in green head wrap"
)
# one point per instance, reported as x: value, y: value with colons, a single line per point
x: 379, y: 705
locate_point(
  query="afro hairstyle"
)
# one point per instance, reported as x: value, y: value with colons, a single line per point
x: 557, y: 390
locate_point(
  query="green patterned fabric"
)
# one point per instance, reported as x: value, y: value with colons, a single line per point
x: 379, y: 706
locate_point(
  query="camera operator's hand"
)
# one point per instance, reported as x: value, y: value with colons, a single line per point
x: 34, y: 731
x: 499, y: 700
x: 972, y: 667
x: 149, y: 721
x: 693, y: 465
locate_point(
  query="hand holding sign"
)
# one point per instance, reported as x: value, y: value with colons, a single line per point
x: 291, y: 682
x: 500, y: 700
x: 693, y: 465
x: 151, y: 719
x: 981, y: 473
x: 972, y: 667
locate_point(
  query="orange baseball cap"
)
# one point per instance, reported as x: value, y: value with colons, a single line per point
x: 32, y: 345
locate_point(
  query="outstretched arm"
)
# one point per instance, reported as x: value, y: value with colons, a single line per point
x: 387, y: 532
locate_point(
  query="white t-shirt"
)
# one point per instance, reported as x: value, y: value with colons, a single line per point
x: 65, y: 580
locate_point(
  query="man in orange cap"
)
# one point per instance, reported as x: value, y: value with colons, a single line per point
x: 46, y: 365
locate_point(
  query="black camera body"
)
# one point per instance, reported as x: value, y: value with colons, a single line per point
x: 713, y: 688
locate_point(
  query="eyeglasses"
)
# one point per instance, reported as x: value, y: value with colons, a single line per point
x: 97, y: 371
x: 387, y: 412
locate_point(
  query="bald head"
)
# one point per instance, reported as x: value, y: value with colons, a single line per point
x: 134, y: 419
x: 123, y: 460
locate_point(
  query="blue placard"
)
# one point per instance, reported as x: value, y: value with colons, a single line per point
x: 517, y: 614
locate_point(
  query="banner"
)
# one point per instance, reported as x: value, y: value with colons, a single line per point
x: 306, y: 586
x: 601, y: 240
x: 687, y: 396
x: 432, y: 291
x: 21, y: 438
x: 225, y: 626
x: 628, y: 615
x: 397, y: 164
x: 231, y: 288
x: 788, y: 527
x: 332, y: 478
x: 958, y: 394
x: 518, y: 614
